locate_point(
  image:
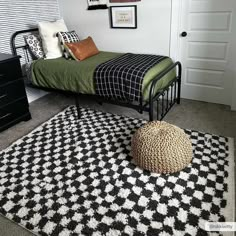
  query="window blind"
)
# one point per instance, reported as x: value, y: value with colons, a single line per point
x: 24, y: 14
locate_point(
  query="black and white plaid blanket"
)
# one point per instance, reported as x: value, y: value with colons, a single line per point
x: 122, y: 77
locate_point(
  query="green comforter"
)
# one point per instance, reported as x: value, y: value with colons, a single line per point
x: 77, y: 76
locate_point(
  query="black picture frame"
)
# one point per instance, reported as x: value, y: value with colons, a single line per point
x: 123, y: 1
x: 123, y: 17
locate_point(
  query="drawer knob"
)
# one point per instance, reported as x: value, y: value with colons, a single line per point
x: 4, y: 116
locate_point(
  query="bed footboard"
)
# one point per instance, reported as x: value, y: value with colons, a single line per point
x: 168, y: 96
x: 161, y: 102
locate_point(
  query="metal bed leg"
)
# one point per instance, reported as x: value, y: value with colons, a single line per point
x: 179, y: 91
x: 77, y: 106
x: 151, y: 110
x: 158, y: 108
x: 179, y: 82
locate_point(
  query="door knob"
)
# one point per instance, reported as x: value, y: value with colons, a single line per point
x: 184, y: 34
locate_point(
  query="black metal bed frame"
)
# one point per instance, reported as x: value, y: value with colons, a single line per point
x: 164, y: 99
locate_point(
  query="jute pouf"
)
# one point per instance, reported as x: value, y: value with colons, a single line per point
x: 161, y: 147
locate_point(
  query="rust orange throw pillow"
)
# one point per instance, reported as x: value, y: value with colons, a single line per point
x: 82, y: 49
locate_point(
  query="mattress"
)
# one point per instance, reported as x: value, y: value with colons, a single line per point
x: 77, y: 76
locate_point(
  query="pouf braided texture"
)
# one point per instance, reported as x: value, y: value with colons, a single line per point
x: 161, y: 147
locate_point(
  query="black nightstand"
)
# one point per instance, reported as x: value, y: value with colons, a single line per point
x: 14, y: 105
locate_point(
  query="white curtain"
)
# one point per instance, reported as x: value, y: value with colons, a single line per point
x: 23, y: 14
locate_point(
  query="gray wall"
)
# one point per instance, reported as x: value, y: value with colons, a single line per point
x: 151, y: 36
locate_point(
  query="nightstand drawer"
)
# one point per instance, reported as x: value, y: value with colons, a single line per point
x: 14, y: 105
x: 13, y: 111
x: 10, y: 70
x: 11, y: 91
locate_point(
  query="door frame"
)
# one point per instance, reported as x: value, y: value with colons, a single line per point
x: 175, y: 41
x: 175, y: 24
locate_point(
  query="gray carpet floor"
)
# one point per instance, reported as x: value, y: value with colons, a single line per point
x: 201, y: 116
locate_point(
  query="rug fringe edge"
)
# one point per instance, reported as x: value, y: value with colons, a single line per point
x: 229, y: 210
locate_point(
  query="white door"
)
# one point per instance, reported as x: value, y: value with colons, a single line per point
x: 205, y: 52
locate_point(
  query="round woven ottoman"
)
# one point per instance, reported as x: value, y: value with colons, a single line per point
x: 161, y: 147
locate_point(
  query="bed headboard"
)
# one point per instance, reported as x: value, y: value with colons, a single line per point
x: 19, y: 46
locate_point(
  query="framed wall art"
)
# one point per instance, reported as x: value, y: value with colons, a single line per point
x: 116, y: 1
x: 123, y: 17
x: 97, y: 4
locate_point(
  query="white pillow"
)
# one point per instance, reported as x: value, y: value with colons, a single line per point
x: 51, y: 44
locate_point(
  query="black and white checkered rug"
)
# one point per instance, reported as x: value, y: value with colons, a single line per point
x: 70, y: 177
